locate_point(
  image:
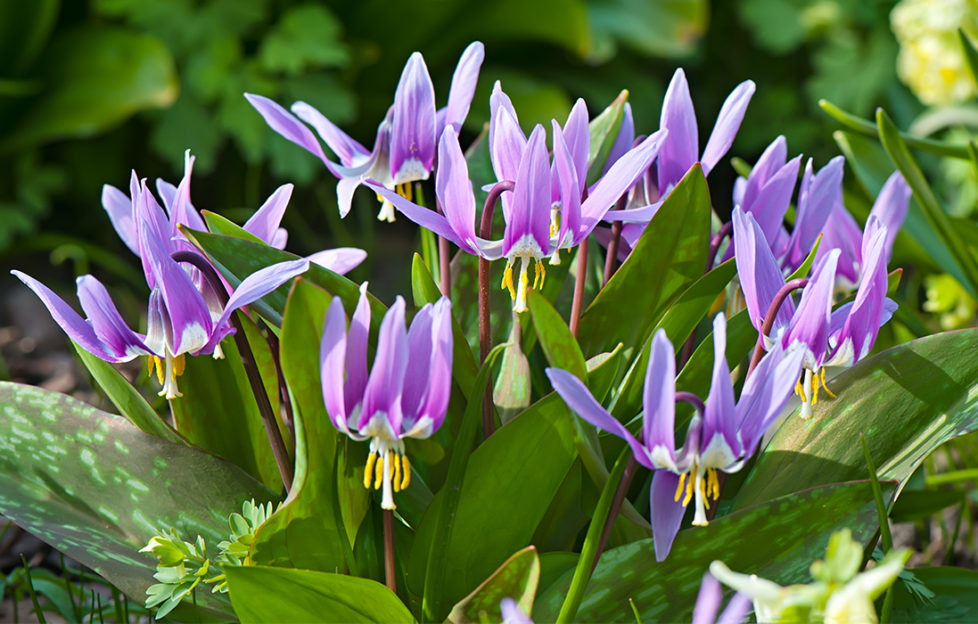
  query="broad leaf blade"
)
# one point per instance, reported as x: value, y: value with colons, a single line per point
x: 516, y: 579
x: 908, y: 400
x: 97, y: 488
x: 263, y: 594
x: 670, y: 255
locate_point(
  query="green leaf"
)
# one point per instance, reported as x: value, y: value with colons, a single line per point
x: 796, y: 529
x: 904, y: 161
x: 221, y: 225
x: 95, y: 77
x: 263, y: 594
x: 869, y: 129
x: 908, y: 400
x: 741, y: 338
x: 603, y: 131
x: 218, y: 410
x: 306, y: 36
x: 559, y: 346
x: 517, y: 578
x: 602, y: 371
x: 443, y: 513
x: 126, y: 399
x: 970, y: 54
x: 954, y: 598
x: 669, y: 28
x: 670, y: 255
x: 97, y: 488
x: 236, y: 259
x: 306, y: 532
x: 24, y: 29
x: 464, y: 367
x: 916, y: 505
x: 496, y: 493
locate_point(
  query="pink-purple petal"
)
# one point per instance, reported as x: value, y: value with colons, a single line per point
x: 413, y: 125
x: 265, y: 222
x: 463, y: 86
x: 340, y: 260
x: 681, y: 148
x: 667, y: 513
x: 453, y: 187
x: 382, y: 396
x: 332, y: 360
x: 727, y: 124
x: 347, y: 149
x: 659, y: 403
x: 119, y: 209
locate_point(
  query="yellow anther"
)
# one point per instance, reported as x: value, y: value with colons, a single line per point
x: 179, y: 364
x: 689, y: 489
x: 679, y: 489
x: 368, y: 471
x: 822, y: 378
x: 814, y: 389
x: 713, y: 483
x: 717, y: 304
x: 397, y: 474
x: 379, y: 473
x: 159, y: 368
x: 800, y: 390
x: 406, y: 472
x: 508, y: 280
x: 542, y: 271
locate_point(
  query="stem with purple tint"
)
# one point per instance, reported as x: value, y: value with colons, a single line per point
x: 715, y: 243
x: 485, y: 335
x: 251, y: 367
x: 283, y: 391
x: 612, y: 256
x: 578, y: 301
x: 772, y: 313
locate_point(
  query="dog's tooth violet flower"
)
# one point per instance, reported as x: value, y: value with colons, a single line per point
x: 404, y: 149
x: 405, y: 394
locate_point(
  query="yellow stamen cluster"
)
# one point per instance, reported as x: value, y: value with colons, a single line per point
x: 814, y: 381
x: 405, y: 190
x: 398, y: 463
x: 705, y: 489
x: 518, y: 291
x: 167, y: 372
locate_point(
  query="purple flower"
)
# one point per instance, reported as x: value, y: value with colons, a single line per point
x: 405, y: 394
x: 681, y: 148
x: 404, y: 149
x: 512, y: 613
x: 708, y: 603
x: 528, y: 237
x: 722, y: 435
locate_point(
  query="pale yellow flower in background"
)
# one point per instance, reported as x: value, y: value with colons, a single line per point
x: 930, y: 60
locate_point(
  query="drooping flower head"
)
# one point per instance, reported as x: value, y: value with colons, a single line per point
x: 404, y: 395
x: 404, y: 149
x: 528, y: 237
x: 722, y: 434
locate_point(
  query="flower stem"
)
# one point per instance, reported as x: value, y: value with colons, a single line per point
x: 444, y: 259
x: 616, y: 503
x: 251, y: 368
x: 578, y: 302
x: 611, y: 258
x: 715, y: 243
x: 389, y: 569
x: 485, y: 333
x: 283, y: 390
x: 772, y: 313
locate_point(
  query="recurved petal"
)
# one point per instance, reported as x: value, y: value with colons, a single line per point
x: 356, y: 352
x: 579, y: 399
x: 758, y: 272
x: 428, y: 219
x: 413, y: 125
x: 626, y: 136
x: 70, y: 321
x: 681, y: 148
x: 332, y: 360
x: 119, y: 208
x: 262, y: 282
x: 347, y: 149
x: 708, y: 600
x: 265, y: 222
x: 463, y: 86
x: 727, y: 124
x: 667, y: 512
x: 453, y: 187
x: 810, y: 323
x: 771, y: 202
x: 659, y: 403
x: 773, y: 159
x: 570, y: 189
x: 285, y: 123
x: 719, y: 416
x: 765, y: 394
x: 891, y: 207
x: 578, y: 138
x: 385, y: 385
x: 108, y: 324
x: 620, y: 177
x: 530, y: 208
x: 340, y: 260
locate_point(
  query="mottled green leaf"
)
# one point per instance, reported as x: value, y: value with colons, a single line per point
x: 126, y: 399
x: 795, y: 530
x: 517, y: 578
x: 670, y: 255
x: 908, y: 400
x: 97, y: 488
x: 263, y: 594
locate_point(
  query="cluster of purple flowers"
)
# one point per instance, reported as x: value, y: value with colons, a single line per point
x: 547, y: 205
